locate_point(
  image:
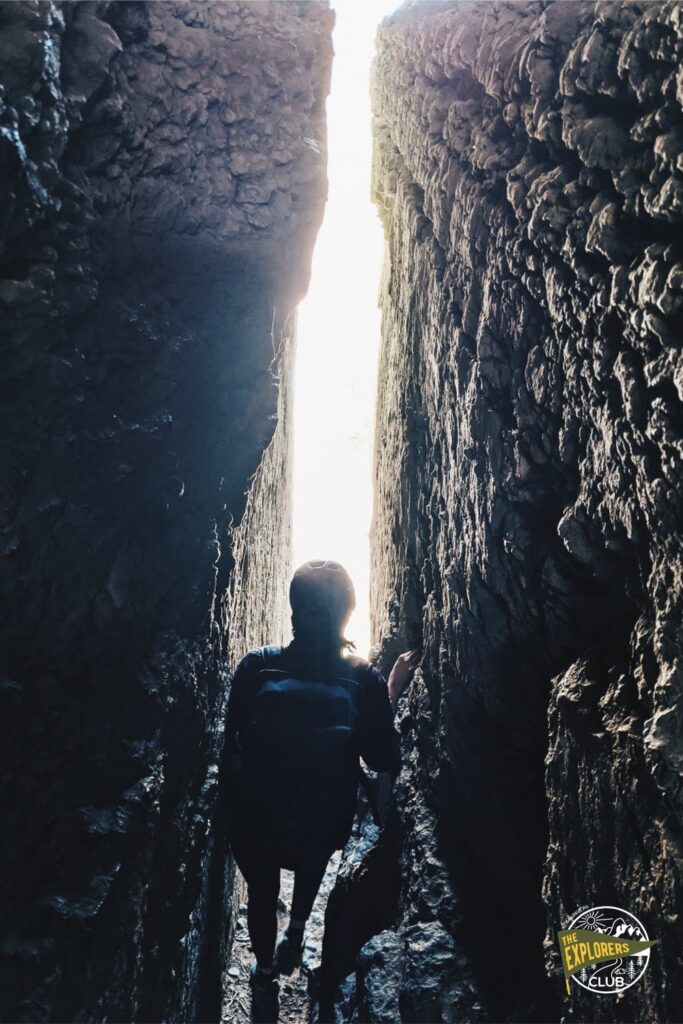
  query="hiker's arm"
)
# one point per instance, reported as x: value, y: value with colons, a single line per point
x: 230, y: 755
x: 237, y: 699
x: 379, y: 740
x: 401, y: 675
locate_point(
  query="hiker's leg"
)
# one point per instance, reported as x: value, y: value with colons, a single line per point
x: 263, y: 887
x: 308, y: 875
x: 262, y: 875
x: 307, y: 879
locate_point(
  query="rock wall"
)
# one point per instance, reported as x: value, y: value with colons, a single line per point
x: 255, y: 607
x: 529, y: 175
x: 164, y: 178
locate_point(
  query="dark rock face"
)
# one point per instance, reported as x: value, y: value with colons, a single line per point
x: 528, y: 172
x: 163, y: 173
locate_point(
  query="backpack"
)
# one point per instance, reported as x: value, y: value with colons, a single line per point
x: 300, y: 756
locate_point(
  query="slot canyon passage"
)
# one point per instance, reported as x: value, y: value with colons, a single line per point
x: 164, y: 180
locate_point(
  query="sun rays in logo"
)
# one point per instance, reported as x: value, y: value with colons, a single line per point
x: 593, y: 921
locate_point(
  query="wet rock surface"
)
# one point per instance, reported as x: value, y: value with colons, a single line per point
x: 163, y: 173
x: 527, y: 511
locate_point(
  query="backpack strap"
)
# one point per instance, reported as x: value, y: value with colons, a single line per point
x: 269, y: 653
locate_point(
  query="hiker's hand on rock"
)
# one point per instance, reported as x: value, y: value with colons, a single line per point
x: 401, y: 674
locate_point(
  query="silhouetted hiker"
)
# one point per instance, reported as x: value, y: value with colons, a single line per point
x: 299, y: 718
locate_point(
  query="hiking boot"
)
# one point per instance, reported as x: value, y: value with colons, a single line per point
x: 289, y: 952
x: 265, y: 989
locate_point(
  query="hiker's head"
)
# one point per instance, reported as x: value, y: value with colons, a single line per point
x: 322, y: 598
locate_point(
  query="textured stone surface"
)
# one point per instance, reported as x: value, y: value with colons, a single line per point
x: 528, y: 172
x: 163, y: 179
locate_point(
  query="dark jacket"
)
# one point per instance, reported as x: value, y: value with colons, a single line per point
x: 303, y: 796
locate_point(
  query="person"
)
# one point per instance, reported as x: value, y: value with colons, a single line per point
x: 299, y: 719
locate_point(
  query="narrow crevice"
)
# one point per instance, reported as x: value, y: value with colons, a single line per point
x: 165, y: 171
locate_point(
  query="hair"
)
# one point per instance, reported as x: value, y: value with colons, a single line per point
x: 322, y: 633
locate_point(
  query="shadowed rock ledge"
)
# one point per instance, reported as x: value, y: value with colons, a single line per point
x: 527, y: 513
x: 163, y: 170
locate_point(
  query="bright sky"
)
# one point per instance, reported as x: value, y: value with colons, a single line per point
x: 339, y: 328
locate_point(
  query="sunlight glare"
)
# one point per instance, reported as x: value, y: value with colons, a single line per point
x: 339, y: 329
